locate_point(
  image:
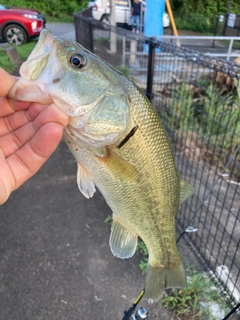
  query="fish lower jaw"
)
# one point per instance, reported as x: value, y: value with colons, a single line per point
x: 26, y: 90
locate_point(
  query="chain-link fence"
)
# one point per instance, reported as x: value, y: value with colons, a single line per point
x: 198, y: 100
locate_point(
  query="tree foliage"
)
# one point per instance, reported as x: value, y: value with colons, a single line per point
x: 205, y: 7
x: 54, y: 8
x: 61, y: 8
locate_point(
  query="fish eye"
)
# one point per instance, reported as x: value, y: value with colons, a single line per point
x: 77, y: 60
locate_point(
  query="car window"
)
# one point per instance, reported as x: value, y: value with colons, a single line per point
x: 2, y: 7
x: 124, y: 3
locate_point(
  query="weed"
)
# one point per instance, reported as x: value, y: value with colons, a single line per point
x: 23, y: 52
x: 124, y: 70
x: 192, y: 22
x: 102, y: 40
x: 5, y: 62
x: 109, y: 219
x: 142, y: 250
x: 187, y: 303
x: 213, y: 116
x: 25, y: 49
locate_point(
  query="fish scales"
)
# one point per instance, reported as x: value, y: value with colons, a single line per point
x: 121, y: 148
x: 146, y: 219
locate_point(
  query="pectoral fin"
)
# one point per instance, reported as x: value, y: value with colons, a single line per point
x: 123, y: 243
x: 85, y: 182
x: 186, y: 190
x: 118, y: 167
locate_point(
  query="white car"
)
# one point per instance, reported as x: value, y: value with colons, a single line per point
x: 101, y: 11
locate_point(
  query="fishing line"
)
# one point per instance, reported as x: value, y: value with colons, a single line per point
x: 208, y: 194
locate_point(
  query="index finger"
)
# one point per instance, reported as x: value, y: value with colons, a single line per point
x: 8, y: 106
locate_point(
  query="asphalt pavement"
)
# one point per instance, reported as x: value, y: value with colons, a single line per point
x: 55, y: 258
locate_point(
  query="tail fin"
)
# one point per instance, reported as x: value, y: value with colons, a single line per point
x: 159, y: 278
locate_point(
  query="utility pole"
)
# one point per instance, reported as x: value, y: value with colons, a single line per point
x: 113, y: 35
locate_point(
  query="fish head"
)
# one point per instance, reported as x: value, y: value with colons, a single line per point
x: 81, y: 84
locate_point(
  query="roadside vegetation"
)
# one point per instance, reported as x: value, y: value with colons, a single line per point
x: 195, y: 301
x: 23, y: 52
x: 60, y: 9
x: 26, y: 49
x: 203, y: 113
x: 5, y: 62
x: 52, y: 9
x: 203, y: 7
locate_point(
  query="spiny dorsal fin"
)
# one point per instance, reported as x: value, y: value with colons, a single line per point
x: 85, y: 182
x: 186, y: 190
x: 123, y: 243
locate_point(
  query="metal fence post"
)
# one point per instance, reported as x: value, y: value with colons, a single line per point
x: 215, y: 30
x: 90, y: 29
x: 226, y: 18
x: 150, y: 69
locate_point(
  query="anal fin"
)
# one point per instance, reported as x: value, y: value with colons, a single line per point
x: 85, y: 182
x: 123, y: 243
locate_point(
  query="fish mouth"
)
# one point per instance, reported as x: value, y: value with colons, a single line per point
x: 41, y: 75
x: 38, y: 91
x: 35, y: 76
x: 26, y: 90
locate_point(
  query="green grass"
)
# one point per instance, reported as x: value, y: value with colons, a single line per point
x: 68, y: 18
x: 142, y: 250
x: 186, y: 303
x: 23, y: 51
x: 4, y: 62
x: 236, y: 44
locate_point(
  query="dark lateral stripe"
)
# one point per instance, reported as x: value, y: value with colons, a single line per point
x: 131, y: 133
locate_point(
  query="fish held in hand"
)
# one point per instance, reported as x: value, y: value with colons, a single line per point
x: 121, y: 148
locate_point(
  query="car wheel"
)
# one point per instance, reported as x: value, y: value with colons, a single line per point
x: 15, y: 34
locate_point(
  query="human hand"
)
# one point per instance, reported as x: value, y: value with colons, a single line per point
x: 29, y: 133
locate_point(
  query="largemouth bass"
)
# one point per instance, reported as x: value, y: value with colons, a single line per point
x: 121, y: 148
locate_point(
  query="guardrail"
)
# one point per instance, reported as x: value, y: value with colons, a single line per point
x: 212, y: 39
